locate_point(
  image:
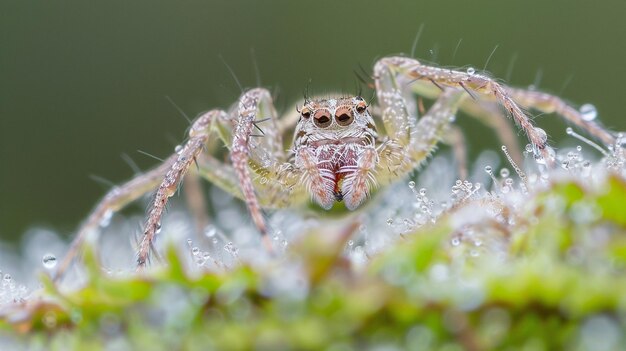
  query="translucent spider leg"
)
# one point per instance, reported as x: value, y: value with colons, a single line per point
x: 198, y: 137
x: 411, y: 141
x: 455, y: 138
x: 113, y: 201
x: 431, y: 127
x: 408, y: 70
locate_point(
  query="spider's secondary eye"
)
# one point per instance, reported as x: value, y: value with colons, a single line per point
x: 361, y: 106
x: 322, y: 118
x: 344, y: 116
x: 306, y: 113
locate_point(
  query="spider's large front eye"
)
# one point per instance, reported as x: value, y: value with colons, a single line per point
x: 361, y: 106
x: 306, y: 113
x: 322, y: 118
x: 344, y: 116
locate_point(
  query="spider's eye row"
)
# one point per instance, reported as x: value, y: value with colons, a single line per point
x: 344, y: 116
x: 322, y: 118
x: 306, y: 113
x: 361, y: 106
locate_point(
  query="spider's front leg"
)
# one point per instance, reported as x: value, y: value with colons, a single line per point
x: 411, y: 140
x: 402, y: 71
x: 258, y: 158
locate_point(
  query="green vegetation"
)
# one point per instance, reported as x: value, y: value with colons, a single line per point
x: 552, y: 278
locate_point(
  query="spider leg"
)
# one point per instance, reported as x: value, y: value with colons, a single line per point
x: 198, y: 137
x: 455, y: 138
x: 432, y: 126
x: 248, y: 110
x: 196, y: 202
x: 397, y: 159
x: 548, y: 103
x: 113, y: 201
x: 407, y: 71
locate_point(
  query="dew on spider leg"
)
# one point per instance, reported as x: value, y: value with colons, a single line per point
x: 106, y: 219
x: 471, y: 71
x: 588, y: 112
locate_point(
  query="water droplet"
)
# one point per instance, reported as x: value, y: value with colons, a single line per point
x: 455, y: 241
x: 389, y: 221
x: 189, y: 242
x: 178, y: 149
x: 263, y: 180
x: 504, y: 173
x: 7, y: 278
x: 210, y: 232
x: 214, y: 241
x: 157, y: 228
x: 471, y: 71
x: 412, y: 184
x: 588, y: 112
x: 542, y: 135
x: 350, y: 243
x: 195, y: 251
x: 529, y: 148
x: 106, y: 219
x: 569, y: 131
x: 49, y: 261
x: 423, y: 191
x: 230, y: 248
x: 488, y: 169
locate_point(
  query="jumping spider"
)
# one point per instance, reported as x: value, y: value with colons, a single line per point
x: 338, y: 152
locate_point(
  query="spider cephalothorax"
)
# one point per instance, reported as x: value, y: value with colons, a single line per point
x: 334, y: 143
x: 337, y: 152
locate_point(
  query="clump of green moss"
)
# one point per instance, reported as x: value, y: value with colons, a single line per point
x: 541, y: 271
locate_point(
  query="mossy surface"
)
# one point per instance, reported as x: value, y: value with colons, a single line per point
x: 552, y: 278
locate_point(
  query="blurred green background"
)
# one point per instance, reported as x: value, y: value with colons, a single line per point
x: 83, y: 82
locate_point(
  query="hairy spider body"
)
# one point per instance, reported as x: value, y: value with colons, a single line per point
x: 337, y: 153
x: 335, y: 146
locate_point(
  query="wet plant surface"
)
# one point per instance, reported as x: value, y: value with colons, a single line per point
x: 534, y: 260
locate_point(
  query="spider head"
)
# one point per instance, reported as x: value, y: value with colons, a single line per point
x: 332, y: 136
x: 336, y: 120
x: 333, y: 113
